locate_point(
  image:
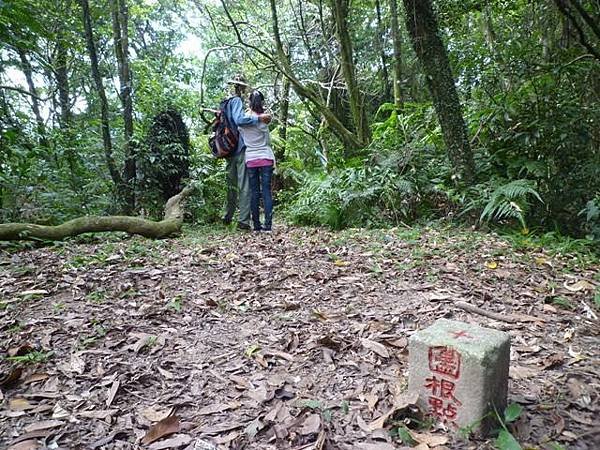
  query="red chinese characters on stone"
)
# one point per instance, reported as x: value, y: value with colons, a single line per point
x: 442, y: 388
x: 438, y: 410
x: 444, y: 361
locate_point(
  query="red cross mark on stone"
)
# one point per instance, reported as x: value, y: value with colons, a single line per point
x: 459, y: 334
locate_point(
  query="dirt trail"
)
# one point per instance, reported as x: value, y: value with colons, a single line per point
x: 295, y: 339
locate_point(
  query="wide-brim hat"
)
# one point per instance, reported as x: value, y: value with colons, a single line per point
x: 239, y: 80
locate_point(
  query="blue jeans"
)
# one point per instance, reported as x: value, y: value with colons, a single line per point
x: 260, y: 183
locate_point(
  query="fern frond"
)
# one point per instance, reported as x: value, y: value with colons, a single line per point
x: 510, y: 201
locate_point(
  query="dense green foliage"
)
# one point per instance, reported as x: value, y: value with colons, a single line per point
x: 527, y: 80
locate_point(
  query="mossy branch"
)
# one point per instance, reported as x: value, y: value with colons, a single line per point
x: 171, y: 224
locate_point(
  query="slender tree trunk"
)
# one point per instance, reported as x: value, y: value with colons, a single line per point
x: 283, y: 114
x: 121, y: 44
x: 35, y: 104
x: 337, y: 127
x: 340, y: 13
x: 424, y: 32
x: 62, y: 83
x: 91, y: 46
x: 397, y: 64
x: 491, y: 41
x: 387, y: 88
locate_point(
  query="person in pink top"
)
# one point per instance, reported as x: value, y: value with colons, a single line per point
x: 260, y: 162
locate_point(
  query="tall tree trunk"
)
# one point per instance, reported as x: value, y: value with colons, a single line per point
x: 491, y: 41
x: 348, y: 138
x: 91, y: 46
x: 62, y: 83
x: 387, y: 88
x: 35, y: 104
x: 422, y: 25
x: 340, y: 11
x: 283, y: 115
x: 121, y: 43
x: 397, y: 64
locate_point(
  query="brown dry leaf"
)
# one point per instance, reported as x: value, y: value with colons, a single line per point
x: 30, y: 444
x: 311, y: 425
x: 375, y: 446
x: 362, y: 424
x: 102, y: 414
x: 174, y: 442
x: 107, y: 439
x: 430, y: 439
x: 20, y: 404
x: 227, y: 438
x: 399, y: 343
x: 372, y: 400
x: 522, y: 372
x: 43, y: 425
x: 165, y: 373
x: 112, y: 392
x: 376, y: 347
x: 213, y: 409
x: 403, y: 401
x: 33, y: 378
x: 329, y: 342
x: 261, y: 394
x: 156, y: 413
x: 240, y: 382
x: 58, y: 412
x: 554, y: 360
x: 280, y: 354
x: 77, y: 364
x: 163, y: 428
x: 216, y: 429
x: 253, y: 428
x: 141, y: 343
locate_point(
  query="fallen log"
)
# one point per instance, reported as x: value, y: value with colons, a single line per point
x: 171, y: 224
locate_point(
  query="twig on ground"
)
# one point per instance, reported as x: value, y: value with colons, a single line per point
x: 497, y: 316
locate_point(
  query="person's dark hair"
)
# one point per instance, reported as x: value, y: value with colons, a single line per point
x: 256, y: 102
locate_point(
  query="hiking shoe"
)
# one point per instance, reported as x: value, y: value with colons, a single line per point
x: 243, y: 226
x: 226, y: 221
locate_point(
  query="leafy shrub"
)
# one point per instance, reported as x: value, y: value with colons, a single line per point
x: 591, y: 212
x: 397, y: 180
x: 544, y: 131
x: 507, y: 200
x: 208, y: 175
x: 163, y: 162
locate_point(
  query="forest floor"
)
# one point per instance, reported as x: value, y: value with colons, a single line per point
x: 295, y: 339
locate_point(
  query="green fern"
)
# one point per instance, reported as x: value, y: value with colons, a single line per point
x: 510, y: 201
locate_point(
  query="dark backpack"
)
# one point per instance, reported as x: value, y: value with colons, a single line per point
x: 224, y: 139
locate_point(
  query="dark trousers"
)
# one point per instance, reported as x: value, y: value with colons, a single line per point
x: 260, y: 186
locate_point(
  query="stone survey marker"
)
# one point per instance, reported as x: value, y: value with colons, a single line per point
x: 460, y: 372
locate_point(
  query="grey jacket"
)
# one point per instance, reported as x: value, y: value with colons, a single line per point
x: 258, y: 141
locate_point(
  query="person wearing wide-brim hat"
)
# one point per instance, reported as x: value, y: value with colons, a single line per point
x: 238, y: 186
